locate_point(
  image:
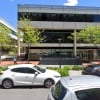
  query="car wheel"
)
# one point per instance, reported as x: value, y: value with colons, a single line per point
x: 7, y: 84
x: 48, y: 83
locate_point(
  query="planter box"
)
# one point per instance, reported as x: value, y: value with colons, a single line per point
x: 75, y: 72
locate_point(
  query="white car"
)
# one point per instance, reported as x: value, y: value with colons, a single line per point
x: 84, y: 87
x: 28, y: 74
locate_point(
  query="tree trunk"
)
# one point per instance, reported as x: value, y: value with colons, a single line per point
x: 28, y: 53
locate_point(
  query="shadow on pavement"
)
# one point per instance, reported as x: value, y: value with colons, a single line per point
x: 26, y: 87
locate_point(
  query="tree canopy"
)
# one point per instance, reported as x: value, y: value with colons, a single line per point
x: 4, y: 35
x: 31, y: 34
x: 91, y: 34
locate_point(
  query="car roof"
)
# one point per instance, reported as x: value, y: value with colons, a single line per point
x: 80, y: 81
x: 20, y: 65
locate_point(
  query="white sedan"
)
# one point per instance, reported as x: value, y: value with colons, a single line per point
x: 28, y: 74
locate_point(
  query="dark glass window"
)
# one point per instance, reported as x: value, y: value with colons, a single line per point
x: 19, y: 70
x: 89, y: 94
x: 24, y: 70
x: 58, y: 91
x: 29, y: 70
x: 54, y: 35
x: 96, y: 18
x: 59, y: 17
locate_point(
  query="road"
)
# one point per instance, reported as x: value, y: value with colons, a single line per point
x: 25, y: 93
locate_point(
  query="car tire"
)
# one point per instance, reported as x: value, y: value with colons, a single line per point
x: 48, y: 83
x: 7, y: 83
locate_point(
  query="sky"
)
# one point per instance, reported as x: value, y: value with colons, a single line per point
x: 8, y: 8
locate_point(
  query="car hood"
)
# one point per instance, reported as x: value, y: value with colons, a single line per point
x: 52, y: 72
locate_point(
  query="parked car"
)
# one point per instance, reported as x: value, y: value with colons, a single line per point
x: 83, y: 87
x: 93, y: 69
x: 28, y: 74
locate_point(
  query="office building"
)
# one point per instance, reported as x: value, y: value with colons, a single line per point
x: 58, y: 22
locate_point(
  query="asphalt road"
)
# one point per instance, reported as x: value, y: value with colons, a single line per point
x: 24, y: 93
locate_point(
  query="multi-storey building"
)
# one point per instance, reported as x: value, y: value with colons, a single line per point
x: 58, y: 22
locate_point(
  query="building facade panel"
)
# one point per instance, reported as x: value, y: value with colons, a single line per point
x: 58, y: 9
x: 61, y: 25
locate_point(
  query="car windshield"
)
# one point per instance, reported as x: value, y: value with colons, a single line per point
x: 88, y: 94
x: 59, y: 91
x: 40, y: 69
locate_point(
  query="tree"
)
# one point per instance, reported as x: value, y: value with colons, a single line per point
x: 30, y: 34
x: 5, y: 38
x: 4, y: 35
x: 90, y: 34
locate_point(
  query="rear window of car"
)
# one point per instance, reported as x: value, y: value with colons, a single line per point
x: 88, y: 94
x: 59, y: 91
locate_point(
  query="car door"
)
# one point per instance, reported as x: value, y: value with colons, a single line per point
x: 23, y: 76
x: 34, y: 76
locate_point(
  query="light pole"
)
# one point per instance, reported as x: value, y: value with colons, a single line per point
x: 59, y: 41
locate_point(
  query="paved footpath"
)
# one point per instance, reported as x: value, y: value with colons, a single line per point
x: 6, y: 63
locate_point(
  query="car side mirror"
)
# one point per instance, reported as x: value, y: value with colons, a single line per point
x: 36, y: 73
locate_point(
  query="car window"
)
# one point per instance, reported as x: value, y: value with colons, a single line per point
x: 19, y: 70
x: 40, y: 69
x: 88, y: 94
x: 88, y: 69
x: 24, y: 70
x: 29, y: 70
x: 58, y: 92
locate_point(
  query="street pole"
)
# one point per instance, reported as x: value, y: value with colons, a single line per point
x: 59, y: 40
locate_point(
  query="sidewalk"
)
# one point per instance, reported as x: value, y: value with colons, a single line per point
x: 6, y: 63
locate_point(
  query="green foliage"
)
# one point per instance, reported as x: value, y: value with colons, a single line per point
x: 6, y: 42
x: 67, y: 67
x: 31, y: 34
x: 53, y: 68
x: 65, y: 70
x: 90, y: 34
x: 3, y: 68
x: 4, y: 35
x: 62, y: 71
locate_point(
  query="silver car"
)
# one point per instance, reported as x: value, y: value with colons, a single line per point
x: 84, y: 87
x: 28, y: 74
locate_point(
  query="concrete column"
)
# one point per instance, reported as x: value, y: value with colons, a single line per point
x: 75, y: 44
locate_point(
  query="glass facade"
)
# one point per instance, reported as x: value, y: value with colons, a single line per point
x: 59, y: 17
x: 52, y: 36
